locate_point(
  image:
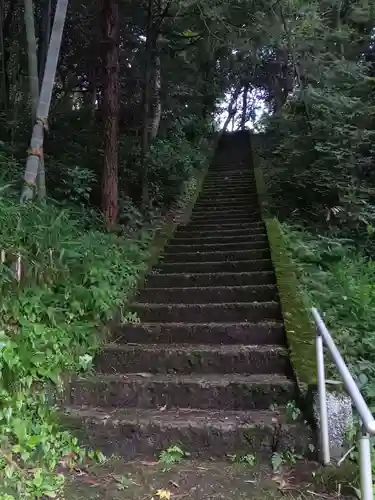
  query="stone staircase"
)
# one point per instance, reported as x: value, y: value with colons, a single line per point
x: 207, y: 367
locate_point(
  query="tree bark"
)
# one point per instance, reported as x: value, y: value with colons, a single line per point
x: 244, y: 106
x: 156, y: 116
x: 6, y: 22
x: 111, y: 104
x: 44, y: 37
x: 145, y: 137
x: 36, y: 144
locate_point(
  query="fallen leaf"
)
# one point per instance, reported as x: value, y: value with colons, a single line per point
x: 163, y: 494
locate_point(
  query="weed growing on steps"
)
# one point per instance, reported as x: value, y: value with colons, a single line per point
x: 172, y: 456
x: 73, y: 279
x: 248, y: 460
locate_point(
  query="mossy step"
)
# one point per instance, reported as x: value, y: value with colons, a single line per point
x: 208, y: 392
x: 224, y: 225
x: 214, y: 218
x: 228, y: 209
x: 209, y: 295
x: 187, y: 232
x: 217, y: 239
x: 226, y: 199
x: 220, y: 247
x: 211, y: 207
x: 270, y: 332
x: 182, y: 358
x: 228, y: 191
x: 241, y: 266
x: 203, y: 313
x: 135, y: 434
x: 219, y: 256
x: 210, y: 279
x: 220, y: 184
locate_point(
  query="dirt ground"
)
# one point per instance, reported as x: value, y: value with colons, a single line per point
x: 191, y: 480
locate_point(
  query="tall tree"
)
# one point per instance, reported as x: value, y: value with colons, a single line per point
x: 34, y: 162
x: 111, y: 105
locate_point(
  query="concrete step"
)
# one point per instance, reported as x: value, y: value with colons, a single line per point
x: 210, y: 279
x: 188, y: 359
x: 186, y: 232
x: 220, y: 247
x: 209, y: 295
x: 208, y: 392
x: 134, y: 434
x: 204, y: 313
x: 219, y: 256
x: 212, y: 208
x: 270, y: 332
x: 218, y: 218
x: 241, y: 266
x: 224, y: 226
x: 217, y: 239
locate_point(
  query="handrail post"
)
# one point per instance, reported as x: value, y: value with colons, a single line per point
x: 365, y: 466
x: 324, y: 437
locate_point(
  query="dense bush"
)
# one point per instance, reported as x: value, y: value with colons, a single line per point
x: 72, y: 282
x: 339, y: 280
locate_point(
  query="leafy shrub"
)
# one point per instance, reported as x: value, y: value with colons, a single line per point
x: 339, y: 280
x: 72, y: 282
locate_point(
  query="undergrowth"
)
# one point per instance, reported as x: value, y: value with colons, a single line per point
x: 72, y: 281
x: 339, y: 280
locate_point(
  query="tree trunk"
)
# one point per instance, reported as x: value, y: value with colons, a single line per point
x: 44, y: 37
x: 155, y: 123
x: 111, y: 104
x: 244, y: 106
x: 36, y: 143
x: 232, y: 109
x: 6, y: 22
x: 34, y: 85
x: 145, y: 137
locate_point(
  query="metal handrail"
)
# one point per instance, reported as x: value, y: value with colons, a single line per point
x: 323, y: 337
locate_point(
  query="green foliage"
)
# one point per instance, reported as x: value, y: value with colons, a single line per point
x: 73, y: 280
x: 248, y: 460
x: 339, y: 281
x: 172, y: 456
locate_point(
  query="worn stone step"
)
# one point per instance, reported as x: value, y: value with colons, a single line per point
x: 222, y: 218
x: 224, y: 226
x: 227, y: 199
x: 134, y: 434
x: 224, y: 247
x: 209, y: 295
x: 271, y: 332
x: 228, y: 190
x: 188, y: 359
x: 210, y: 279
x: 223, y: 214
x: 219, y: 256
x: 204, y: 313
x: 220, y: 186
x: 241, y: 266
x: 187, y: 232
x: 215, y: 208
x: 210, y: 207
x: 207, y: 392
x: 217, y: 239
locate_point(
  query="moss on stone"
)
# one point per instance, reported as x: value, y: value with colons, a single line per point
x: 299, y: 329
